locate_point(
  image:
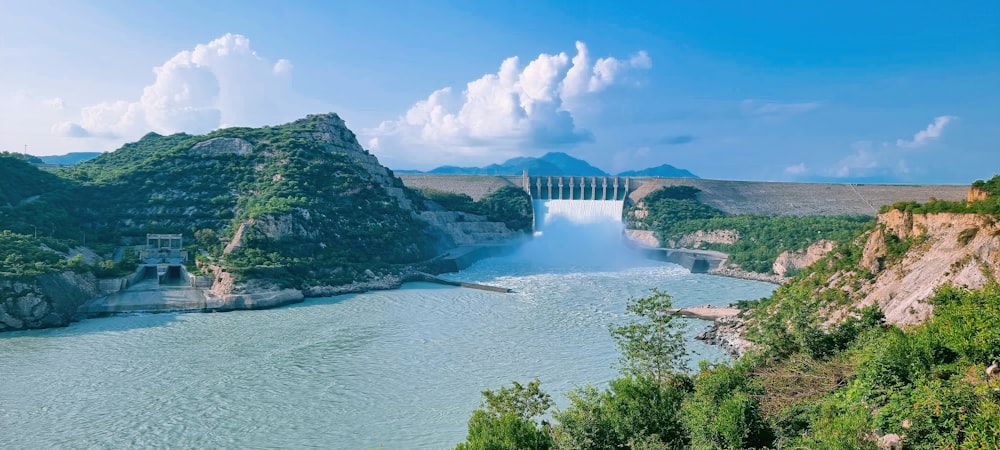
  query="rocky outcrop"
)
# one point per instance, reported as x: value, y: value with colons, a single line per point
x: 646, y: 238
x: 223, y: 145
x: 696, y: 239
x: 255, y: 300
x: 333, y: 134
x: 48, y: 301
x: 237, y: 241
x: 372, y: 283
x: 734, y: 271
x: 286, y: 225
x: 975, y: 194
x: 875, y: 250
x: 461, y: 228
x: 727, y: 334
x: 89, y: 256
x: 224, y: 283
x: 789, y: 261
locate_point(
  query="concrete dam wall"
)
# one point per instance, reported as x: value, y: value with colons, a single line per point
x: 733, y: 197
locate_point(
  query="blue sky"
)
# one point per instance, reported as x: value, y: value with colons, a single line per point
x: 883, y: 91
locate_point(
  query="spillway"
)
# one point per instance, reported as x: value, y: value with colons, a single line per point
x: 579, y: 212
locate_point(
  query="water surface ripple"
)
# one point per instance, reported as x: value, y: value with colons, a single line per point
x: 396, y: 369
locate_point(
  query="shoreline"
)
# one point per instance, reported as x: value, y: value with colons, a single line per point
x: 729, y: 272
x: 159, y: 300
x: 725, y: 331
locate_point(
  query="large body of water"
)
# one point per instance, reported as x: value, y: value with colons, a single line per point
x: 398, y: 369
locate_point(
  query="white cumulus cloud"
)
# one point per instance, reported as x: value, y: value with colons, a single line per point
x: 503, y: 114
x: 797, y: 169
x: 283, y: 67
x: 864, y: 161
x: 932, y: 132
x: 198, y: 90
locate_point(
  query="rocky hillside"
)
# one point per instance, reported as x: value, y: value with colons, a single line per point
x: 941, y: 248
x: 274, y: 212
x: 896, y: 265
x: 311, y: 201
x: 48, y: 300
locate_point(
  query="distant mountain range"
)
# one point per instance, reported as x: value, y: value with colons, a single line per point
x: 554, y: 164
x: 664, y: 171
x: 69, y: 159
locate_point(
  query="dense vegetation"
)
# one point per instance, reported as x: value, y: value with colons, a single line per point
x: 38, y: 224
x: 36, y: 202
x: 674, y: 211
x: 509, y: 205
x: 338, y: 219
x: 989, y: 205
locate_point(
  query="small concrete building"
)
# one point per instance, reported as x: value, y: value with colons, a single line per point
x: 163, y: 249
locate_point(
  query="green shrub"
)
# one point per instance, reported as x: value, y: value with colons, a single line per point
x: 506, y: 420
x: 632, y: 412
x: 968, y: 321
x: 967, y: 235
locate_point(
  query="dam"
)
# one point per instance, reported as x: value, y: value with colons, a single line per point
x: 580, y: 200
x: 575, y: 198
x: 597, y: 204
x: 733, y: 197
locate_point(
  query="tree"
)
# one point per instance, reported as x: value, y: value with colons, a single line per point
x: 653, y: 346
x: 723, y: 412
x: 207, y: 239
x: 506, y: 420
x: 633, y: 412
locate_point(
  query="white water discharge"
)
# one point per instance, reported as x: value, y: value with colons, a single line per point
x: 399, y: 369
x: 548, y: 212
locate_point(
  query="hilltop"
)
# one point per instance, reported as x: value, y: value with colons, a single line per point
x: 69, y: 159
x: 662, y: 171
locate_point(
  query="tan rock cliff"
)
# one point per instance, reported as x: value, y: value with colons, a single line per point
x: 961, y: 249
x: 798, y: 260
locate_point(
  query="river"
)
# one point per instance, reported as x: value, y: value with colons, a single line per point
x: 399, y: 369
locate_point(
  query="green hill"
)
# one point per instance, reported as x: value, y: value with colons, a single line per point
x: 69, y: 159
x: 319, y: 204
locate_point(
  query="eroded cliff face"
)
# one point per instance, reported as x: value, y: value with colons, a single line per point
x: 960, y: 249
x: 696, y: 239
x: 789, y: 261
x: 50, y: 300
x: 460, y: 228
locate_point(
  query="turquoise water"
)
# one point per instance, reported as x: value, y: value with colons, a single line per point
x: 398, y: 369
